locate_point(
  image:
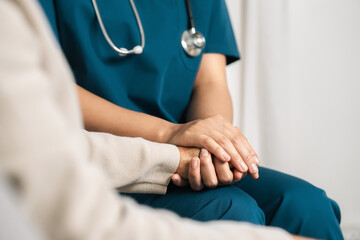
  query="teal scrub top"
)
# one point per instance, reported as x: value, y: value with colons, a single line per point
x: 160, y: 80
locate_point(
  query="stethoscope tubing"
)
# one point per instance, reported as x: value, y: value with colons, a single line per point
x: 191, y: 24
x: 121, y: 51
x: 192, y: 41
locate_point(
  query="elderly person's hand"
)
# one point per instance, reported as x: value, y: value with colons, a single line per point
x: 203, y: 171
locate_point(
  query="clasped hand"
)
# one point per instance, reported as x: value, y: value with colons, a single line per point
x: 200, y: 169
x: 226, y: 155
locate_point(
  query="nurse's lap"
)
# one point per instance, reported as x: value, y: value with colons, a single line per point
x: 249, y: 196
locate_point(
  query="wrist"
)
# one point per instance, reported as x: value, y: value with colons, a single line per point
x: 166, y: 133
x: 186, y: 154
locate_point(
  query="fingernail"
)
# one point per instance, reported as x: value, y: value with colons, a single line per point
x: 243, y: 166
x: 226, y: 156
x: 204, y: 152
x: 194, y: 164
x: 254, y: 168
x: 257, y: 160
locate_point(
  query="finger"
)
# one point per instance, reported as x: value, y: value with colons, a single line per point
x: 238, y: 175
x: 226, y: 143
x: 194, y: 174
x: 210, y: 144
x: 247, y: 153
x: 255, y: 175
x: 250, y: 160
x: 179, y: 181
x: 239, y: 138
x: 207, y: 169
x: 224, y: 174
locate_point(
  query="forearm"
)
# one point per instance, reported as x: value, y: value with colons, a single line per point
x: 100, y: 115
x: 210, y: 94
x: 210, y: 99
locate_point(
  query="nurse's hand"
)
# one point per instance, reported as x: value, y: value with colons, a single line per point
x: 221, y: 138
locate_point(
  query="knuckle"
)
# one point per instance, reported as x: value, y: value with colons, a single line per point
x: 252, y: 153
x: 240, y: 137
x: 206, y: 140
x: 219, y: 150
x: 243, y: 138
x: 238, y: 131
x: 236, y: 180
x: 241, y: 141
x: 211, y: 183
x: 192, y: 175
x: 226, y: 179
x: 206, y: 161
x: 197, y: 188
x: 238, y: 176
x: 249, y: 158
x: 222, y: 140
x: 237, y: 140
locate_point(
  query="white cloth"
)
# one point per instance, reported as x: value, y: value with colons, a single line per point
x: 55, y: 164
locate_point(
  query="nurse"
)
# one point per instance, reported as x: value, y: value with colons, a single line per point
x: 165, y: 95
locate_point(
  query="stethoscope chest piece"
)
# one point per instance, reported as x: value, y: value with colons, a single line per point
x: 192, y: 42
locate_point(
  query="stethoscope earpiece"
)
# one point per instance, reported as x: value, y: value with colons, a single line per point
x: 192, y: 41
x: 124, y: 51
x: 138, y: 49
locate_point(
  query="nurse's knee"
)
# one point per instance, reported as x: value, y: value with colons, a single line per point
x: 246, y: 209
x: 308, y: 201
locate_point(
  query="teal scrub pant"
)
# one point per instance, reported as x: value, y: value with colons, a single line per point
x: 275, y: 199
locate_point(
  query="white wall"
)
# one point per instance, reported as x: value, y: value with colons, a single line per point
x: 234, y: 70
x: 296, y: 92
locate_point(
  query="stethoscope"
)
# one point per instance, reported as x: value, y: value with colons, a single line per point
x: 192, y: 41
